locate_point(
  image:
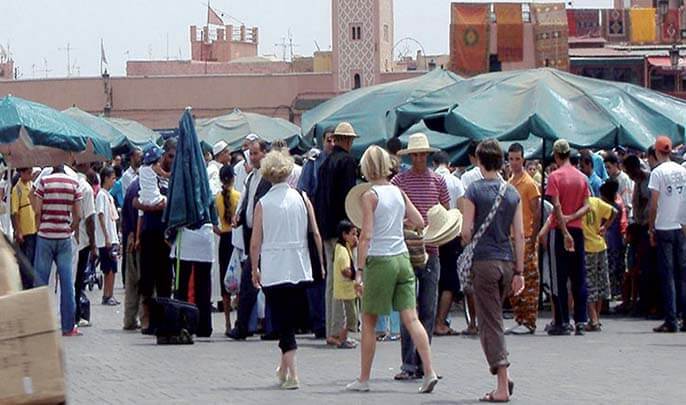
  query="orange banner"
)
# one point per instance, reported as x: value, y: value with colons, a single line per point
x: 508, y: 18
x: 469, y: 38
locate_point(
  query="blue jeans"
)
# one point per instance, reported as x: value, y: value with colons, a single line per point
x: 427, y: 302
x: 671, y: 247
x: 382, y: 324
x: 316, y: 297
x: 58, y: 251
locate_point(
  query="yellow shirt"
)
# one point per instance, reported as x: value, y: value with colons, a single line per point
x: 21, y: 205
x: 343, y: 287
x: 234, y: 196
x: 600, y: 211
x: 528, y: 190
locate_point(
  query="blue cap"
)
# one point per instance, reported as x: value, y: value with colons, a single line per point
x: 152, y: 155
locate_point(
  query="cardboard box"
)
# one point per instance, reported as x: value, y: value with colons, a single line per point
x: 31, y: 369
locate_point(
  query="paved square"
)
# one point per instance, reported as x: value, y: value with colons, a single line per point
x: 626, y: 363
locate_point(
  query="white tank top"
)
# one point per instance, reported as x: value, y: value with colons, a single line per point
x: 285, y: 258
x: 387, y: 237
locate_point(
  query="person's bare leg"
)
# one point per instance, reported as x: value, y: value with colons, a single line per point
x: 368, y: 346
x: 444, y: 302
x: 226, y: 301
x: 598, y: 309
x: 420, y: 339
x: 289, y: 360
x: 592, y: 312
x: 501, y: 392
x: 472, y: 312
x: 108, y: 287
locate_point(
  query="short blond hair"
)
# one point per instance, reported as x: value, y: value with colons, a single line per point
x: 376, y: 163
x: 276, y: 166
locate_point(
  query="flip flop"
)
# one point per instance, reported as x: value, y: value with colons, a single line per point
x: 450, y: 332
x: 510, y: 387
x: 489, y: 398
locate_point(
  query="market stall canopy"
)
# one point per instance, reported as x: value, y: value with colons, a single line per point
x: 234, y: 127
x: 123, y: 135
x: 370, y: 110
x: 32, y: 134
x: 550, y: 104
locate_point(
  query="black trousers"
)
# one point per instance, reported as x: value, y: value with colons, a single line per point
x: 569, y: 266
x: 225, y: 251
x: 284, y: 316
x: 202, y: 291
x: 81, y: 264
x: 247, y: 298
x: 156, y: 268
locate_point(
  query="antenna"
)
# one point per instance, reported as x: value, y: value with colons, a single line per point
x: 317, y: 45
x: 283, y: 45
x: 45, y: 69
x: 68, y: 50
x: 290, y: 42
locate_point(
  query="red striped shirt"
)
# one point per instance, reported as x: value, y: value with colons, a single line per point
x: 424, y: 190
x: 59, y: 193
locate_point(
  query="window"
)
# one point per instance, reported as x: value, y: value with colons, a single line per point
x: 357, y: 81
x: 356, y: 32
x: 385, y: 33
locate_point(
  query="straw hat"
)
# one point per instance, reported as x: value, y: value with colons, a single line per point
x: 418, y: 143
x: 353, y: 203
x: 344, y: 129
x: 444, y: 225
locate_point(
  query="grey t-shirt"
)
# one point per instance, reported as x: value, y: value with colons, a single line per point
x: 495, y: 244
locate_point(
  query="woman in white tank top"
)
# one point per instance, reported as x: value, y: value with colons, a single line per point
x: 384, y: 274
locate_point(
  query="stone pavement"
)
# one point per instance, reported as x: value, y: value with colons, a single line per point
x: 626, y: 363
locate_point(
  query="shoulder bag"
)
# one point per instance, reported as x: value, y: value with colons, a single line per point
x: 464, y: 262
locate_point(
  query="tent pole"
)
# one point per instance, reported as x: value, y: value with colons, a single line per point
x: 542, y: 220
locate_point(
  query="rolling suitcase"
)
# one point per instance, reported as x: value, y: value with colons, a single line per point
x: 173, y: 321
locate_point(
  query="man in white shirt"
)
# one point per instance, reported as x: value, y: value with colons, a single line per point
x: 244, y: 168
x: 220, y: 150
x: 668, y: 191
x: 473, y: 174
x: 626, y: 186
x: 135, y: 159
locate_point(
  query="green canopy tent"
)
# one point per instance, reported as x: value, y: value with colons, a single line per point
x: 234, y: 127
x: 370, y: 110
x: 123, y: 135
x: 33, y: 134
x: 549, y: 104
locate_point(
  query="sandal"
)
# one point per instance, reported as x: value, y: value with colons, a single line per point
x: 347, y: 344
x: 450, y: 332
x: 470, y: 332
x: 405, y: 376
x: 489, y: 398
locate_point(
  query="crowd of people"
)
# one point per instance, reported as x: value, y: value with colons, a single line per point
x: 327, y: 245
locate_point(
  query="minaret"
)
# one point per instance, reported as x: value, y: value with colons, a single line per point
x: 362, y: 34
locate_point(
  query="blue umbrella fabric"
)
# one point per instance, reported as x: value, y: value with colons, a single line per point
x: 34, y: 134
x: 189, y: 201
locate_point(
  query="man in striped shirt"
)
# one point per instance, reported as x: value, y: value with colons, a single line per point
x: 58, y: 201
x: 425, y: 189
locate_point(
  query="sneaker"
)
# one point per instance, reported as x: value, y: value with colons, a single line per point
x: 559, y: 331
x: 580, y: 329
x: 665, y: 328
x: 520, y: 330
x: 235, y: 335
x: 111, y: 301
x: 290, y: 384
x: 429, y: 383
x: 358, y: 386
x: 84, y: 323
x: 73, y: 332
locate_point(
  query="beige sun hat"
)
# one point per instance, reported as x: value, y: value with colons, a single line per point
x: 353, y: 203
x: 417, y: 143
x: 344, y: 129
x: 444, y: 225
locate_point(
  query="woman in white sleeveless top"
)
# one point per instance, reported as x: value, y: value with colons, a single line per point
x: 384, y: 273
x: 279, y: 247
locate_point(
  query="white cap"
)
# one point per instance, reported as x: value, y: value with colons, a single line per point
x: 219, y: 147
x: 252, y: 137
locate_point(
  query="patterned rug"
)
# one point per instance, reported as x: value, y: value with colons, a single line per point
x: 508, y: 18
x: 551, y: 34
x: 469, y: 38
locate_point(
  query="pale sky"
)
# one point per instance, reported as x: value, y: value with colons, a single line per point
x: 39, y: 30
